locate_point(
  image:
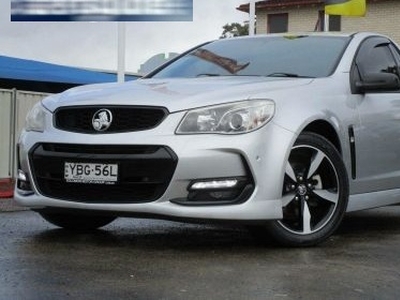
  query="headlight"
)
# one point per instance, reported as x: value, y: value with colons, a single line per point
x: 35, y: 119
x: 233, y: 118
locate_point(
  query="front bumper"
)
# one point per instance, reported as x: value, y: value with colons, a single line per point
x: 258, y: 157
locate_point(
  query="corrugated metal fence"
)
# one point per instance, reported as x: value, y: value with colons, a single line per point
x: 14, y: 105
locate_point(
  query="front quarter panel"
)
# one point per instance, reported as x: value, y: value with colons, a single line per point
x: 325, y: 100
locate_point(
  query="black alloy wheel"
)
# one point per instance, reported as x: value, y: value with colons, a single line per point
x: 315, y: 193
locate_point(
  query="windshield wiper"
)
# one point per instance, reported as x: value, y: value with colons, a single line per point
x: 207, y: 74
x: 291, y: 75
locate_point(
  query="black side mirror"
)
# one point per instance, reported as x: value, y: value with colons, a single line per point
x: 376, y: 82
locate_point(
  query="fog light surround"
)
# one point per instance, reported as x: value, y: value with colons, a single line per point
x: 217, y: 191
x: 23, y: 183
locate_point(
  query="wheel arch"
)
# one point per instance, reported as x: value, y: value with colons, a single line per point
x: 326, y: 130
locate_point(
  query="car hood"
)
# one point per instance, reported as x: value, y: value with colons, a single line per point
x: 174, y: 94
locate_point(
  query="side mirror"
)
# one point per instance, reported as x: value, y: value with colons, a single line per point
x: 376, y: 82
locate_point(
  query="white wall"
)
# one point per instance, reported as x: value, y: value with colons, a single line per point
x: 5, y: 133
x: 14, y: 105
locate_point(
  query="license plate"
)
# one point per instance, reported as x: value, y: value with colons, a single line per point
x: 90, y: 173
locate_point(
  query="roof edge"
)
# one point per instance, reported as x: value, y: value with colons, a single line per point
x: 279, y: 4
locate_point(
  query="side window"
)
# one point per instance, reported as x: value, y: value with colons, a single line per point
x: 334, y: 22
x: 396, y: 53
x: 375, y: 56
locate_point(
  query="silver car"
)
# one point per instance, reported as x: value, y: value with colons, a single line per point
x: 284, y: 133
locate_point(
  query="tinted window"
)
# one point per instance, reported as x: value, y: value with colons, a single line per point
x: 396, y: 53
x: 278, y: 23
x: 261, y: 56
x: 376, y: 56
x: 379, y: 60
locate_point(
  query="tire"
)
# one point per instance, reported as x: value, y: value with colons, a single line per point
x: 315, y: 193
x: 77, y: 222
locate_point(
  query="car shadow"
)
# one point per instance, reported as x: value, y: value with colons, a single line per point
x: 382, y: 221
x: 157, y: 234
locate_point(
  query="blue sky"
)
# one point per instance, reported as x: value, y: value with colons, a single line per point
x: 94, y: 44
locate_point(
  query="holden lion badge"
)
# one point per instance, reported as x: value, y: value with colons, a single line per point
x: 102, y: 119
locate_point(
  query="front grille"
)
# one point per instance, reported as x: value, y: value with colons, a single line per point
x: 125, y: 118
x: 144, y: 172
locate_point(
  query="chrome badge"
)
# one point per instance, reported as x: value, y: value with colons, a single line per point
x: 102, y: 120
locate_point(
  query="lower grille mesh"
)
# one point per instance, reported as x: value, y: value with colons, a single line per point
x: 144, y: 172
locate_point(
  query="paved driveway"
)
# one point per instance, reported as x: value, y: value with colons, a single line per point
x: 147, y: 259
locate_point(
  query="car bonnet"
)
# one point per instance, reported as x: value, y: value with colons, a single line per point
x: 175, y: 94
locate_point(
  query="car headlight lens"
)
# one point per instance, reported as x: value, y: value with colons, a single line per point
x: 233, y: 118
x: 35, y: 119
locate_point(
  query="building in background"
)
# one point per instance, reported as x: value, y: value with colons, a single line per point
x: 274, y: 16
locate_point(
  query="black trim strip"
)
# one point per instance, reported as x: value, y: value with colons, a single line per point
x: 352, y: 142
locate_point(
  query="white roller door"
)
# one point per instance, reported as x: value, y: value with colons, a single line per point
x: 14, y: 105
x: 6, y: 119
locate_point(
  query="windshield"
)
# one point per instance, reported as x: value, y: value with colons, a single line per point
x: 283, y: 56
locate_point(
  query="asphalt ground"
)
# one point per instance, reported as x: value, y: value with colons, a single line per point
x: 153, y: 259
x: 8, y: 204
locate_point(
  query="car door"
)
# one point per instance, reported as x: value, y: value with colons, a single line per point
x: 377, y: 137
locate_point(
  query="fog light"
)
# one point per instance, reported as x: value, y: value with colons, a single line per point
x: 23, y: 183
x: 22, y: 175
x: 217, y: 191
x: 214, y: 184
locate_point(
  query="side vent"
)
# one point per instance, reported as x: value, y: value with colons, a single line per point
x: 352, y: 142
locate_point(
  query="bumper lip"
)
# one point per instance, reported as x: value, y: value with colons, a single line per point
x: 248, y: 211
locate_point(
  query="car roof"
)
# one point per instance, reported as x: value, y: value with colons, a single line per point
x: 313, y: 33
